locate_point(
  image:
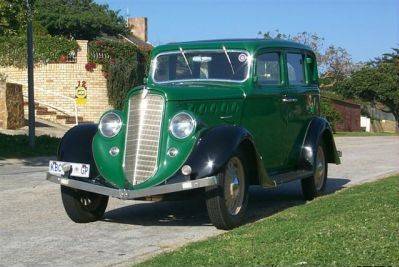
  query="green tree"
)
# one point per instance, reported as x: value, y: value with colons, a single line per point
x: 377, y: 82
x: 336, y: 66
x: 12, y: 16
x: 80, y: 19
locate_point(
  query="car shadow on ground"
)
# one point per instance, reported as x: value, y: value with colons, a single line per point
x: 29, y: 162
x: 192, y: 212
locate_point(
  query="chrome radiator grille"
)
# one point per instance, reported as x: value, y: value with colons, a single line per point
x: 142, y: 136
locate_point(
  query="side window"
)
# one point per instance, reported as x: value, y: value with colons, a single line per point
x: 296, y: 74
x: 268, y: 68
x: 312, y: 69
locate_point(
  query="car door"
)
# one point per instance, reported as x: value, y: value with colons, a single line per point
x: 263, y: 114
x: 297, y: 99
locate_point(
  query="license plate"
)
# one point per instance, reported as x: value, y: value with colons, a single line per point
x: 77, y: 169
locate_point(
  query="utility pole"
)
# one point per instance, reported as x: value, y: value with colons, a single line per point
x: 31, y: 94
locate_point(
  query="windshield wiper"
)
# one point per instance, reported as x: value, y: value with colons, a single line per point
x: 185, y: 59
x: 228, y: 59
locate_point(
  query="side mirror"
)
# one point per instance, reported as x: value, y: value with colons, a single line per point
x: 145, y: 80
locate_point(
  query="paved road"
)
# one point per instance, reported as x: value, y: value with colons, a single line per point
x: 34, y: 229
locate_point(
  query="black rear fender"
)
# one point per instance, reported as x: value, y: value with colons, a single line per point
x: 319, y: 130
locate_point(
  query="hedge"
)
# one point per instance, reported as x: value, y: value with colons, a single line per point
x: 123, y: 64
x: 327, y: 110
x: 47, y: 49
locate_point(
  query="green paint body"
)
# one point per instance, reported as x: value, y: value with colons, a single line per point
x: 278, y: 129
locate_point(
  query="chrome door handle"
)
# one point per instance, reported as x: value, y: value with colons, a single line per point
x: 289, y: 100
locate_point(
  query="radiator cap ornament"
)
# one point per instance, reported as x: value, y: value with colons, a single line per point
x: 114, y: 151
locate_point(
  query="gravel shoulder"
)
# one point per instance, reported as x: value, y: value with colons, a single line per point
x: 34, y: 229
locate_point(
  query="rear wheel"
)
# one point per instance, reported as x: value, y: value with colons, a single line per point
x: 315, y: 185
x: 227, y: 202
x: 82, y: 206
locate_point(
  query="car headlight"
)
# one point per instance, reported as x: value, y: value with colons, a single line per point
x: 110, y: 124
x: 182, y: 125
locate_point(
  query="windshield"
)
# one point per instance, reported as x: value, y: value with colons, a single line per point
x: 201, y: 65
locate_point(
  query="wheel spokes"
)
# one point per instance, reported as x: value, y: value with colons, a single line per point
x: 234, y: 185
x: 319, y: 169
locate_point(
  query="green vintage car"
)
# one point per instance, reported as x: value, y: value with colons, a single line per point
x: 213, y: 117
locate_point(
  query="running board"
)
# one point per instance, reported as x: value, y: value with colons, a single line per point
x: 291, y: 176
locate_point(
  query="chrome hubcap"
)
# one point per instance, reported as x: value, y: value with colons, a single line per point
x: 320, y: 169
x: 234, y: 185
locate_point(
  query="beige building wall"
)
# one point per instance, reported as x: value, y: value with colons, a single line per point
x: 55, y: 81
x: 383, y: 126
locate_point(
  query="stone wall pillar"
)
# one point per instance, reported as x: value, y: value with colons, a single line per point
x: 3, y: 107
x: 11, y: 106
x: 81, y: 57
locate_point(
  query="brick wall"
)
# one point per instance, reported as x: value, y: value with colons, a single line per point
x: 138, y: 27
x: 350, y: 114
x: 53, y: 80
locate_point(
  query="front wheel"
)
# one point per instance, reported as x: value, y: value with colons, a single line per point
x: 315, y: 185
x: 227, y: 202
x: 82, y: 206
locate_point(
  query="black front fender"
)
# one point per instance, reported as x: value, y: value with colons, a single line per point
x: 215, y: 147
x: 75, y: 146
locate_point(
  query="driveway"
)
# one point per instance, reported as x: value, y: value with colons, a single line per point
x: 34, y: 229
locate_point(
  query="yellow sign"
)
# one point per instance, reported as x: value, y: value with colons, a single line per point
x: 81, y: 93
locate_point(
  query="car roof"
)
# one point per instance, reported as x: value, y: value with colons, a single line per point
x: 250, y: 45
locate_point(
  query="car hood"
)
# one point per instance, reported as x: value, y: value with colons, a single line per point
x: 198, y: 91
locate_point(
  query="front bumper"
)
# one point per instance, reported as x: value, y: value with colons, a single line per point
x: 132, y: 194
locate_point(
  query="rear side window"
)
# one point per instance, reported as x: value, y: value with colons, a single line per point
x: 312, y: 69
x: 268, y: 68
x: 296, y: 71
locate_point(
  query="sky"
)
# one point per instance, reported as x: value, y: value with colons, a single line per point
x: 366, y: 28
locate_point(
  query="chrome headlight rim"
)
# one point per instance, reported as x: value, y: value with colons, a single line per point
x: 117, y: 129
x: 192, y: 119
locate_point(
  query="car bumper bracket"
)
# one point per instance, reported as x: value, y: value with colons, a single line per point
x: 132, y: 194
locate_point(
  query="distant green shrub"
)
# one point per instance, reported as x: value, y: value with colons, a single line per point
x: 327, y: 110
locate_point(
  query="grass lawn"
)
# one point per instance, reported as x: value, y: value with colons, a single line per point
x: 338, y: 134
x: 356, y: 226
x: 17, y: 146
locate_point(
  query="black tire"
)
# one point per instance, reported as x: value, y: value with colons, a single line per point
x: 82, y: 206
x: 219, y: 213
x: 315, y: 185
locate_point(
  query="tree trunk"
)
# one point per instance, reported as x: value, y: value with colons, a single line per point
x: 396, y: 115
